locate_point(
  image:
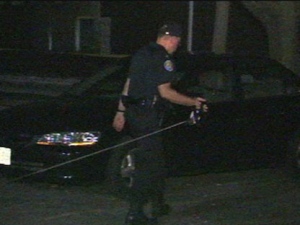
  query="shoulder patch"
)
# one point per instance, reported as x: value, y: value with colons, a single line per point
x: 168, y: 65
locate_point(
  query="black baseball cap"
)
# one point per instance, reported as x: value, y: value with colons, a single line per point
x: 172, y: 29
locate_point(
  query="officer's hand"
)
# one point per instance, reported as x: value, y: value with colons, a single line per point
x: 204, y: 107
x: 198, y: 103
x: 119, y: 121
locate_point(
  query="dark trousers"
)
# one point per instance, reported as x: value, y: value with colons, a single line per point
x: 149, y: 176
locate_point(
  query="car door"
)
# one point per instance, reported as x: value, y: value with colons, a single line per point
x: 215, y: 143
x: 250, y: 117
x: 269, y: 110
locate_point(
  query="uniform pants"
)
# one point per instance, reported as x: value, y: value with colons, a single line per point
x: 149, y: 177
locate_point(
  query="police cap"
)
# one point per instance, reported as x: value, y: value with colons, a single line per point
x: 171, y: 28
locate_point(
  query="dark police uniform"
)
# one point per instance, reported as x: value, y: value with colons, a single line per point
x: 151, y: 66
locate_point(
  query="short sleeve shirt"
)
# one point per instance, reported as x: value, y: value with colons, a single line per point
x: 150, y: 67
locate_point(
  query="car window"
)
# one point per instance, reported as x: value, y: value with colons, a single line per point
x: 113, y: 84
x: 264, y: 80
x: 229, y: 78
x: 107, y: 81
x: 214, y: 85
x: 264, y: 87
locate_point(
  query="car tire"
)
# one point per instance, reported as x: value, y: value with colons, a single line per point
x: 118, y: 162
x: 293, y: 157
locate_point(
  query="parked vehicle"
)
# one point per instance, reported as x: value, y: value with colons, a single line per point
x: 57, y: 111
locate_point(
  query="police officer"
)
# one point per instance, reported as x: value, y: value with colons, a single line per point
x: 147, y: 87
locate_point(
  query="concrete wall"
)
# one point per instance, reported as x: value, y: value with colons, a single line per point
x: 64, y: 22
x: 280, y: 18
x: 49, y: 25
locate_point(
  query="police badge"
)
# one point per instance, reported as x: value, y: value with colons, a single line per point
x: 168, y: 65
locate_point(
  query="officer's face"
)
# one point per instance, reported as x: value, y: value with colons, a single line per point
x: 174, y: 43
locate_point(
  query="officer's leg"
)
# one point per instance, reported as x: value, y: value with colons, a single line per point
x: 136, y: 198
x: 146, y: 162
x: 156, y: 175
x: 140, y: 190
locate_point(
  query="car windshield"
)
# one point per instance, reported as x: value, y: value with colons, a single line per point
x: 109, y: 80
x: 38, y: 74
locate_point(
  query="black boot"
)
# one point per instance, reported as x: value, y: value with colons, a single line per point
x: 139, y: 219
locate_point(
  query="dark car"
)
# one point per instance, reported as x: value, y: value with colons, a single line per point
x: 56, y: 108
x: 57, y: 112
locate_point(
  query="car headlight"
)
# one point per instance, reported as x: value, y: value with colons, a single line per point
x: 69, y: 138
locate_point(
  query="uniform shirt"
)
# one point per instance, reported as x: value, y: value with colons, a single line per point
x: 150, y: 67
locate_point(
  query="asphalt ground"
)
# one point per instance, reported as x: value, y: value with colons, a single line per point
x: 256, y: 197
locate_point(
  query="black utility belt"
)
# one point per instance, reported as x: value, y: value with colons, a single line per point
x: 143, y: 102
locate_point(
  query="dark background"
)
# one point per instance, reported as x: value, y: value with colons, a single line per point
x: 137, y: 22
x: 134, y: 24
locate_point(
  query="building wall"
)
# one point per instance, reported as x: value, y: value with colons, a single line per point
x: 43, y: 25
x: 51, y: 25
x: 62, y: 24
x: 280, y: 19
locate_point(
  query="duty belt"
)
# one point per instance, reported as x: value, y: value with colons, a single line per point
x: 143, y: 102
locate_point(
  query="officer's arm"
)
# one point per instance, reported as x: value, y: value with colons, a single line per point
x: 167, y: 92
x: 119, y: 119
x: 121, y: 106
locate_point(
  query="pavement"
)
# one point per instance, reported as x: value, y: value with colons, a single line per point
x: 256, y: 197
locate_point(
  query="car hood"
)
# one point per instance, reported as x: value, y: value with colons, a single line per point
x: 57, y: 114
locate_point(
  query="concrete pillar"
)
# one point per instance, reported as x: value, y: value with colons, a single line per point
x: 288, y: 32
x: 220, y: 27
x: 190, y: 27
